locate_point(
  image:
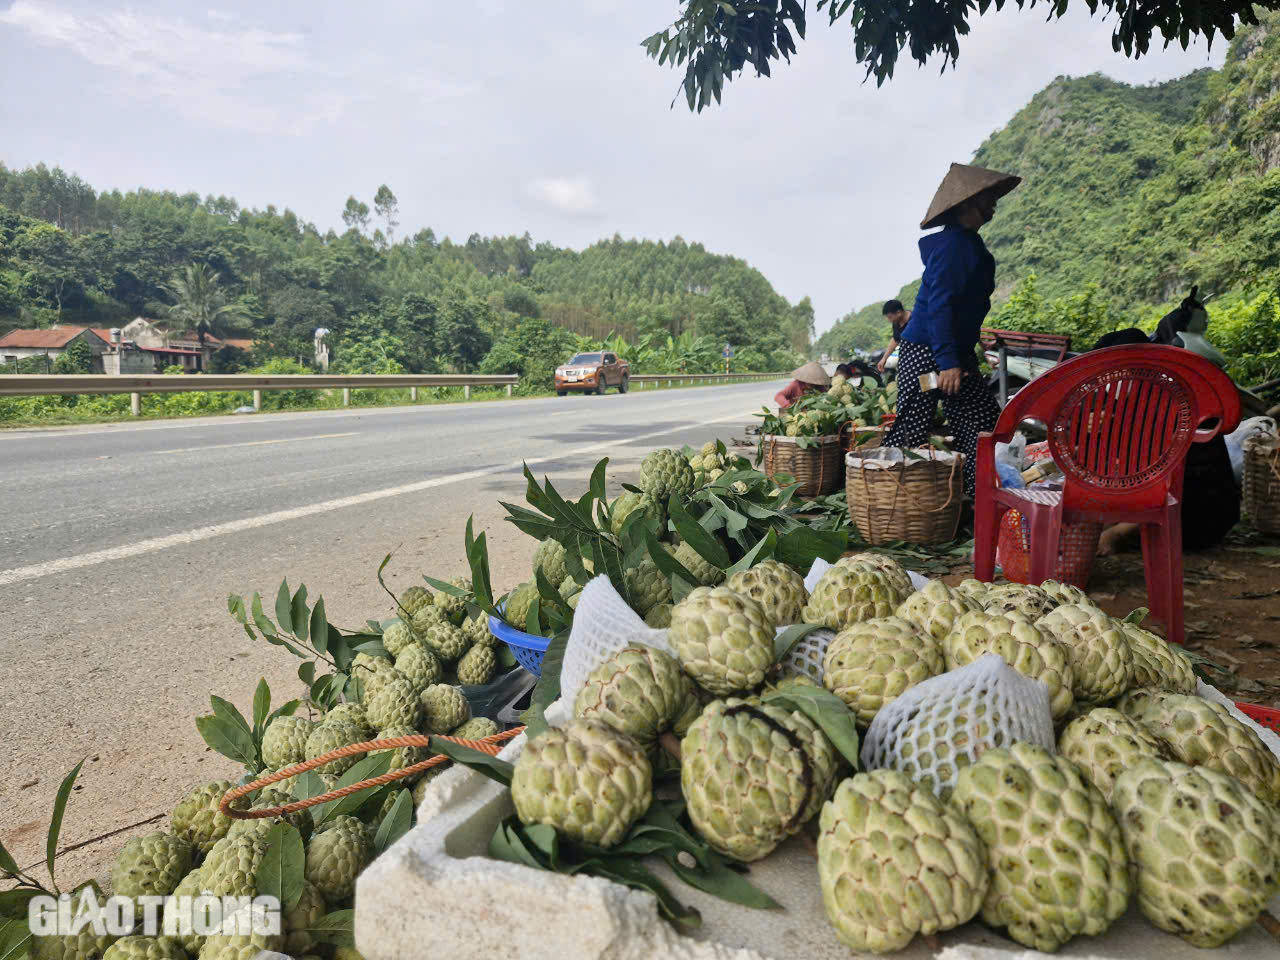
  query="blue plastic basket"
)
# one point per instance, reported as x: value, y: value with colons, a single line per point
x: 525, y: 647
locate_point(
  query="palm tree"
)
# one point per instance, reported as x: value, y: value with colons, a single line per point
x: 201, y: 304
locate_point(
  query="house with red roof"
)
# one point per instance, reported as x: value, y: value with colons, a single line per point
x: 52, y: 343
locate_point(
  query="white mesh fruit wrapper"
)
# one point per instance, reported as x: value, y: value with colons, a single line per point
x: 806, y: 655
x: 602, y: 625
x: 820, y: 566
x: 906, y: 734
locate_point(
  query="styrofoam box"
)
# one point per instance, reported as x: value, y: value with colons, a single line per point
x: 435, y: 893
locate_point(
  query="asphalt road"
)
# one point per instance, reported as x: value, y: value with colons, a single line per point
x: 119, y: 545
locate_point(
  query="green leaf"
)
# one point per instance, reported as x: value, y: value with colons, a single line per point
x: 13, y: 903
x: 228, y: 739
x: 337, y: 928
x: 446, y: 588
x: 828, y: 711
x: 227, y: 711
x: 319, y: 627
x: 547, y: 689
x: 264, y: 624
x: 307, y: 672
x: 55, y: 821
x: 798, y: 548
x: 493, y: 768
x: 1137, y: 616
x: 299, y: 614
x: 763, y: 549
x: 396, y: 823
x: 373, y: 765
x: 261, y: 708
x: 7, y: 863
x: 284, y: 608
x: 285, y: 710
x: 15, y: 939
x: 280, y: 872
x: 507, y: 843
x: 691, y: 532
x: 720, y: 881
x: 788, y: 638
x: 308, y: 785
x: 235, y: 606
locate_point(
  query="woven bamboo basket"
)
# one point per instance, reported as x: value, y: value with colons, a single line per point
x: 817, y: 468
x: 1262, y: 481
x: 915, y: 501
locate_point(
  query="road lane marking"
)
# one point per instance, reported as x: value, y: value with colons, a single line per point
x: 255, y: 443
x: 124, y: 551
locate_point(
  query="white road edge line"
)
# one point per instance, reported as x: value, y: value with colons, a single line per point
x: 65, y: 564
x: 254, y: 443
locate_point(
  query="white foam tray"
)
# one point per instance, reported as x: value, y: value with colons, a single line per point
x: 436, y: 893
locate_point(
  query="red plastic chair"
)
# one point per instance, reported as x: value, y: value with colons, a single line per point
x: 1120, y: 422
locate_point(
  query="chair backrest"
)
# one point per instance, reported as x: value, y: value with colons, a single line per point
x: 1120, y: 420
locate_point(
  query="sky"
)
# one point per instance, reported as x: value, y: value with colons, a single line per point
x: 509, y: 116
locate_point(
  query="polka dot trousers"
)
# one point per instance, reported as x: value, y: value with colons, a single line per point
x: 969, y: 412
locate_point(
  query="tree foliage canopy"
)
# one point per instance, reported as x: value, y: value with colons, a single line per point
x: 715, y: 40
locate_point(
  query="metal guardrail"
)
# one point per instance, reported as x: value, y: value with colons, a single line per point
x: 669, y: 378
x: 32, y: 385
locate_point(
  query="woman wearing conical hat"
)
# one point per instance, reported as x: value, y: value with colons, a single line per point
x: 954, y: 298
x: 807, y: 379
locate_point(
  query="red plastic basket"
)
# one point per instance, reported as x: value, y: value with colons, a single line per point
x: 1077, y: 546
x: 1267, y: 717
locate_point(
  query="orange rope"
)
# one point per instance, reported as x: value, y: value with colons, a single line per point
x: 491, y: 745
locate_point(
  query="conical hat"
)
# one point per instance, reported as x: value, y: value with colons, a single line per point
x: 964, y: 183
x: 812, y: 372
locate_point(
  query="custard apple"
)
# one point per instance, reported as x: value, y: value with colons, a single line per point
x: 331, y: 736
x: 231, y: 869
x: 1104, y: 743
x: 776, y: 587
x: 871, y: 663
x: 1019, y: 599
x: 454, y: 608
x: 396, y: 704
x: 934, y: 608
x: 284, y: 742
x: 413, y: 600
x: 647, y: 585
x: 184, y: 912
x: 443, y: 708
x: 476, y: 628
x: 75, y: 946
x: 242, y: 939
x: 446, y: 641
x: 477, y: 665
x: 197, y: 818
x: 420, y: 666
x: 1206, y: 851
x: 1157, y: 663
x: 1025, y: 647
x: 304, y: 915
x: 894, y: 861
x: 1202, y: 733
x: 402, y: 757
x: 585, y: 780
x: 747, y: 777
x: 1101, y: 664
x: 850, y: 593
x: 397, y: 637
x: 151, y: 865
x: 1057, y: 858
x: 975, y: 590
x: 666, y: 473
x: 477, y: 728
x: 706, y: 572
x: 336, y: 854
x: 518, y: 603
x: 722, y: 639
x: 628, y: 503
x: 372, y: 674
x: 1066, y: 593
x: 549, y: 558
x: 145, y: 948
x: 659, y: 616
x: 641, y: 692
x: 893, y: 571
x: 426, y: 618
x: 273, y: 796
x: 350, y: 713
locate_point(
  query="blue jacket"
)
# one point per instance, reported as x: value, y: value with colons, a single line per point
x: 955, y: 296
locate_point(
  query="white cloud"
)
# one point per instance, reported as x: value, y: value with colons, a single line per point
x: 206, y: 69
x: 574, y: 197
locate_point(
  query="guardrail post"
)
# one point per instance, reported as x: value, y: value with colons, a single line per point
x: 346, y: 396
x: 466, y: 392
x: 413, y: 394
x: 257, y: 401
x: 135, y: 404
x: 509, y: 389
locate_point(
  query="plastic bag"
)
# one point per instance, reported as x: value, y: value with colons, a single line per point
x: 944, y: 724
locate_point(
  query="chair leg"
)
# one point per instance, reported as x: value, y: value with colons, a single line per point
x: 1046, y: 532
x: 1162, y: 560
x: 986, y: 529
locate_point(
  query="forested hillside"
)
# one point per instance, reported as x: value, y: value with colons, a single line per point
x: 71, y: 255
x: 1132, y: 194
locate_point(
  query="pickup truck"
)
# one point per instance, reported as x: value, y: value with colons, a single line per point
x: 593, y: 372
